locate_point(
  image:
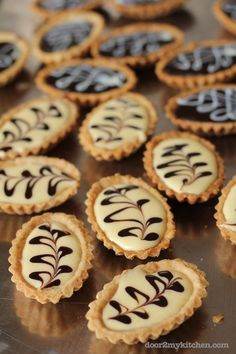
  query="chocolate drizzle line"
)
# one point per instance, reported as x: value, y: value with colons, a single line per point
x: 52, y: 258
x: 118, y: 196
x: 182, y: 165
x: 159, y: 299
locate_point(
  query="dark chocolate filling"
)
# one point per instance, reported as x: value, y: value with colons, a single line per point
x: 9, y: 53
x: 229, y: 8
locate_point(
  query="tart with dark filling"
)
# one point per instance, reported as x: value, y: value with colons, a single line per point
x: 225, y: 12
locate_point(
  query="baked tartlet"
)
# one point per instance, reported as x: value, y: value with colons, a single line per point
x: 117, y: 128
x: 184, y: 166
x: 33, y: 184
x: 226, y: 212
x: 207, y: 110
x: 138, y: 44
x: 50, y: 257
x: 35, y: 126
x: 129, y: 216
x: 67, y: 36
x: 225, y: 12
x: 86, y: 81
x: 147, y: 301
x: 199, y: 64
x: 13, y: 54
x: 146, y: 9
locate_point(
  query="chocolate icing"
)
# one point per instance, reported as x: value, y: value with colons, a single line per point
x: 58, y: 5
x: 9, y: 53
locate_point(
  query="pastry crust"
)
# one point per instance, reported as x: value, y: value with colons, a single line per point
x: 77, y: 228
x: 212, y: 190
x: 63, y: 165
x: 148, y: 11
x: 194, y: 81
x: 208, y: 128
x: 50, y: 141
x: 12, y: 71
x: 105, y: 182
x: 223, y: 18
x: 219, y: 215
x: 126, y: 149
x: 94, y: 315
x: 78, y: 50
x: 87, y: 98
x: 141, y: 60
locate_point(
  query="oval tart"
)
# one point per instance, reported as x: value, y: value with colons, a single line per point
x: 86, y: 81
x: 147, y: 301
x: 35, y: 126
x: 208, y: 110
x: 66, y: 36
x: 199, y: 64
x: 225, y: 12
x: 226, y: 212
x: 184, y: 166
x: 117, y: 128
x: 139, y: 44
x: 13, y: 55
x: 129, y: 216
x: 32, y: 184
x: 50, y: 257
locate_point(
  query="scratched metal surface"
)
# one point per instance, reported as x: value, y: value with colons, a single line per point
x: 28, y: 327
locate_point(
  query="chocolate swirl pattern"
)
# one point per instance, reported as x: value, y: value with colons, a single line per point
x: 8, y: 55
x: 57, y: 5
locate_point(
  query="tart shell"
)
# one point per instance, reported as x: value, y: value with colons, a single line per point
x: 224, y: 20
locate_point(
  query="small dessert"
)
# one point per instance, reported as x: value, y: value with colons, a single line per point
x: 139, y: 44
x: 184, y: 166
x: 129, y: 216
x: 147, y: 301
x: 13, y: 55
x: 118, y: 127
x: 199, y: 64
x: 207, y: 110
x: 48, y: 8
x: 225, y: 12
x: 50, y: 257
x: 33, y: 184
x: 86, y: 81
x: 146, y: 9
x: 66, y: 36
x: 35, y: 126
x: 226, y: 212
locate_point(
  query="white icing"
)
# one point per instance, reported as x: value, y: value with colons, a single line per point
x: 229, y: 207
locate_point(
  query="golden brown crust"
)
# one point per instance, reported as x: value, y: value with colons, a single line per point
x: 94, y: 315
x: 223, y: 18
x: 76, y: 50
x: 10, y: 73
x: 50, y: 141
x: 87, y: 98
x: 146, y: 59
x: 219, y: 215
x: 213, y: 189
x: 126, y: 149
x: 193, y: 81
x: 208, y: 128
x: 105, y: 182
x: 65, y: 166
x: 77, y: 228
x: 148, y: 11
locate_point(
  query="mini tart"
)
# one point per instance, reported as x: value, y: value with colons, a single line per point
x: 121, y: 45
x: 32, y: 184
x: 147, y: 301
x: 48, y: 8
x: 145, y: 223
x: 13, y: 54
x: 146, y: 9
x: 86, y: 81
x: 50, y: 257
x: 184, y: 166
x: 225, y: 12
x: 66, y: 36
x: 118, y: 127
x: 35, y: 126
x: 225, y: 212
x: 208, y: 110
x: 198, y: 64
